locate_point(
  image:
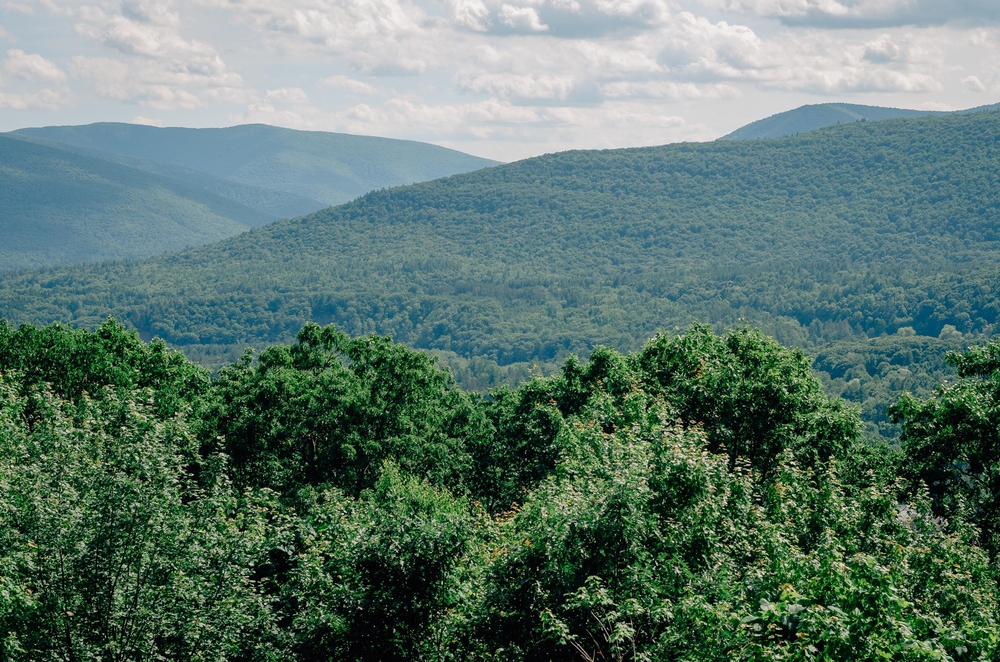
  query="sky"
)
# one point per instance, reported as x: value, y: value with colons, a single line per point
x: 504, y: 79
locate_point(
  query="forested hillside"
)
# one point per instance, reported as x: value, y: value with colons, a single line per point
x: 319, y: 165
x: 341, y: 499
x: 843, y: 234
x: 817, y: 116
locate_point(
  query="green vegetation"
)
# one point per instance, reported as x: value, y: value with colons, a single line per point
x: 329, y: 167
x: 855, y: 235
x: 817, y: 116
x: 341, y: 499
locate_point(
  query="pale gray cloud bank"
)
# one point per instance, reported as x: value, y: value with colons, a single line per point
x: 501, y: 78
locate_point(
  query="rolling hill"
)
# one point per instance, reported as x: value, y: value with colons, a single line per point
x: 329, y: 167
x: 864, y: 230
x: 818, y: 116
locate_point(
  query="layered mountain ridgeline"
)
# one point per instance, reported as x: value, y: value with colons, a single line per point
x: 817, y: 116
x: 107, y: 191
x: 318, y: 165
x: 63, y: 207
x: 269, y: 202
x: 843, y: 234
x: 340, y: 499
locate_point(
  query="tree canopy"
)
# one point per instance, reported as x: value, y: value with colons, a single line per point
x: 341, y: 498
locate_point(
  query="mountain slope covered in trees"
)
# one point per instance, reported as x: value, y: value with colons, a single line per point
x: 843, y: 234
x: 817, y: 116
x: 329, y: 167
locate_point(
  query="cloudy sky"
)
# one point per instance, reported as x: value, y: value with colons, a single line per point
x: 499, y: 78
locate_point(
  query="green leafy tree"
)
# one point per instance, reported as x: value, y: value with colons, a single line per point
x: 72, y: 362
x: 330, y: 409
x: 645, y: 546
x: 753, y: 397
x: 111, y: 549
x: 952, y: 441
x: 376, y: 579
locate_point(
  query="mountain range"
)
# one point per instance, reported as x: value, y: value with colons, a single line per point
x: 106, y: 191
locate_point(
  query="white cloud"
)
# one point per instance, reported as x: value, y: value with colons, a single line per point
x: 533, y: 74
x: 20, y: 8
x: 518, y: 86
x: 384, y: 65
x: 154, y: 65
x: 148, y: 121
x: 287, y: 95
x: 32, y: 67
x: 44, y: 99
x: 332, y: 26
x: 812, y: 61
x: 521, y: 18
x: 153, y: 13
x: 882, y: 50
x: 347, y: 84
x: 667, y: 90
x: 973, y: 84
x: 153, y: 84
x: 864, y: 13
x: 159, y: 42
x: 374, y: 37
x: 564, y: 18
x: 472, y: 14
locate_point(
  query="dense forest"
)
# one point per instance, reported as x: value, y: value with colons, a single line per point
x: 873, y: 243
x: 340, y: 498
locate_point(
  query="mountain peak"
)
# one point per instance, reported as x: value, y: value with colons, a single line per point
x: 817, y: 116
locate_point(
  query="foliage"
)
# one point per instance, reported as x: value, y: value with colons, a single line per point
x: 329, y: 410
x: 952, y: 440
x: 110, y: 548
x: 76, y: 363
x: 341, y: 499
x: 872, y: 374
x: 650, y: 548
x: 375, y: 580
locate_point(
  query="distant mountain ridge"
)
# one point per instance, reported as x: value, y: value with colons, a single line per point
x: 62, y: 207
x: 818, y: 116
x: 332, y: 168
x: 107, y: 191
x: 270, y: 202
